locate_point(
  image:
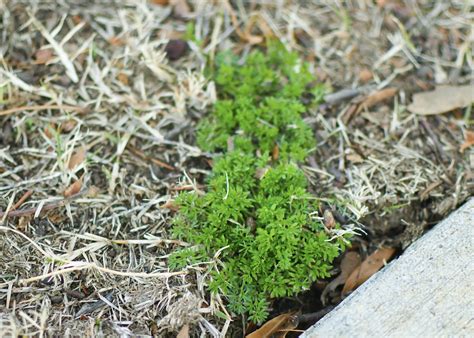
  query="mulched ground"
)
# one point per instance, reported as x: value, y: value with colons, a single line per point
x: 95, y: 107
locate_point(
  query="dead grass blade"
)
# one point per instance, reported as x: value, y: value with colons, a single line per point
x: 70, y: 70
x: 42, y: 107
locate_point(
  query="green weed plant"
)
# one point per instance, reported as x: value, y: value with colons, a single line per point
x: 257, y: 212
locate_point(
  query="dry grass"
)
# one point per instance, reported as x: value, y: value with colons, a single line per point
x: 94, y: 75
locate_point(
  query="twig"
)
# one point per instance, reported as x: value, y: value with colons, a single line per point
x: 141, y: 155
x: 32, y: 211
x: 315, y: 316
x: 342, y: 95
x: 42, y: 107
x: 22, y: 200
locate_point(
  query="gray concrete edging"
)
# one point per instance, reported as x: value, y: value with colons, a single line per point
x: 427, y: 292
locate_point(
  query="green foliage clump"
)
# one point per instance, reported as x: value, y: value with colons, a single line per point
x: 257, y: 212
x: 260, y: 105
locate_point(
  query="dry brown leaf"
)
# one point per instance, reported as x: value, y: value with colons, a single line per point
x: 243, y: 35
x: 42, y: 56
x: 184, y: 332
x: 377, y: 97
x: 468, y: 141
x: 122, y: 77
x: 160, y: 2
x: 354, y: 158
x: 74, y: 188
x: 116, y: 41
x: 365, y: 75
x: 77, y: 158
x: 275, y: 152
x: 260, y: 172
x: 369, y: 266
x: 329, y: 221
x: 49, y: 131
x: 349, y: 263
x: 180, y: 8
x: 67, y: 125
x: 441, y: 100
x: 277, y: 326
x: 170, y: 204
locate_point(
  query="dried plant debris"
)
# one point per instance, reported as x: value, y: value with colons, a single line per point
x: 82, y: 75
x: 443, y: 99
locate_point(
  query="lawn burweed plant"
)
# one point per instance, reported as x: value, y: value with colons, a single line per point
x: 257, y: 212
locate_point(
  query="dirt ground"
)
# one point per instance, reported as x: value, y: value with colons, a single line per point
x: 97, y: 137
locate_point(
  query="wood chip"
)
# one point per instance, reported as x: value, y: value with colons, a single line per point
x: 441, y: 100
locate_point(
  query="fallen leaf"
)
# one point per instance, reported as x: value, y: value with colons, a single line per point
x: 77, y: 19
x: 260, y: 172
x: 328, y: 218
x: 77, y: 158
x: 349, y: 263
x: 160, y: 2
x: 184, y: 332
x: 246, y: 34
x: 180, y: 8
x: 74, y: 188
x: 68, y: 125
x: 122, y: 77
x: 175, y: 49
x: 376, y: 97
x: 42, y: 56
x: 50, y: 130
x: 354, y: 158
x: 441, y: 100
x: 468, y: 141
x: 369, y: 266
x: 23, y: 222
x: 154, y: 330
x: 277, y: 326
x: 275, y: 152
x: 365, y: 75
x: 116, y: 41
x: 170, y: 204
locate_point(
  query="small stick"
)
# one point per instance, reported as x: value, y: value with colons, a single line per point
x: 315, y: 316
x: 32, y: 211
x: 41, y: 107
x: 342, y: 95
x: 140, y: 154
x: 22, y: 200
x: 186, y: 188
